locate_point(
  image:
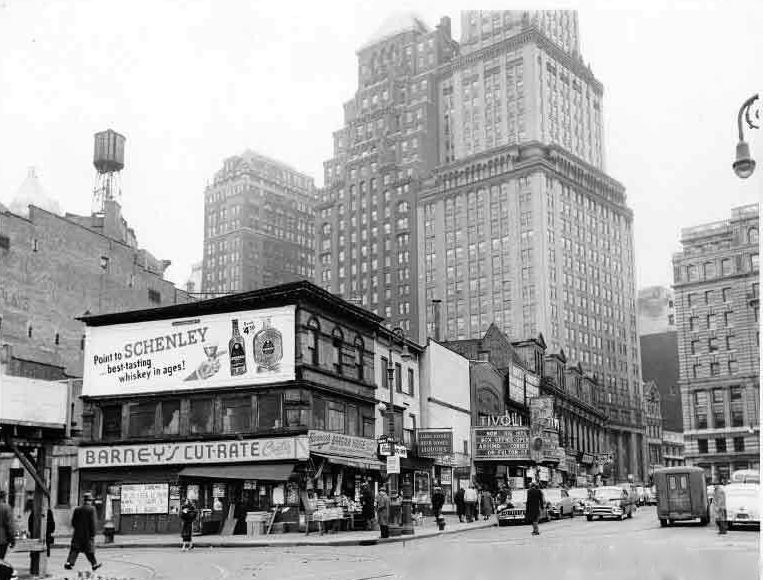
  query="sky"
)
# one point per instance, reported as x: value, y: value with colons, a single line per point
x: 191, y: 82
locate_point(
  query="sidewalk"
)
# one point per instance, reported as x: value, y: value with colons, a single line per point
x: 427, y: 529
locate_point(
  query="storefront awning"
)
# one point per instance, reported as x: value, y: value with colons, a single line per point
x: 352, y: 461
x: 275, y: 472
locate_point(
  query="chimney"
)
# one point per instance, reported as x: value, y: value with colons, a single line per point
x: 437, y: 307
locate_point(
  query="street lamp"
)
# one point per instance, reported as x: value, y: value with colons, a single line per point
x: 745, y: 164
x: 407, y: 519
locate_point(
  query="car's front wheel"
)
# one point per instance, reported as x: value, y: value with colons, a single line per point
x: 589, y: 518
x: 663, y: 523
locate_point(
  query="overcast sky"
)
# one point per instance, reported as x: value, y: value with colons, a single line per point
x: 192, y: 82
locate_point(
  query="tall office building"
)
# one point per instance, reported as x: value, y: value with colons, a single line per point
x: 519, y: 224
x: 717, y: 290
x: 259, y: 228
x: 366, y: 225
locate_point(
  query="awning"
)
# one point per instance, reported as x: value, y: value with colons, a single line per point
x: 352, y: 461
x: 274, y: 472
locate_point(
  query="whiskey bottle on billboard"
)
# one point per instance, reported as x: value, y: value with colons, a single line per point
x: 268, y: 348
x: 237, y: 352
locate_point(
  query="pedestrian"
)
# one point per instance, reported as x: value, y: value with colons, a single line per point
x: 438, y: 500
x: 460, y: 504
x: 50, y: 529
x: 7, y: 528
x: 83, y: 536
x: 382, y: 512
x: 719, y: 507
x: 534, y: 505
x: 470, y: 501
x: 367, y: 505
x: 187, y: 516
x: 486, y: 504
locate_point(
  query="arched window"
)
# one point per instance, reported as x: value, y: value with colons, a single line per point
x: 360, y: 348
x: 337, y: 340
x: 314, y: 331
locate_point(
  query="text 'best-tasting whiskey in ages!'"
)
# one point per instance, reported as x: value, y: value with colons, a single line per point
x: 237, y: 352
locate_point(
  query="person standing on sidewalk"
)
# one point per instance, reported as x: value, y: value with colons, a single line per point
x: 460, y: 505
x: 534, y: 505
x: 83, y: 536
x: 382, y: 512
x: 719, y: 507
x: 470, y: 499
x: 187, y: 516
x: 486, y: 503
x: 7, y: 529
x: 367, y: 505
x: 438, y: 500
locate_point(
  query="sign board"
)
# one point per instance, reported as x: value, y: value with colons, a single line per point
x: 501, y: 443
x: 507, y: 420
x: 542, y: 412
x: 344, y: 445
x: 401, y: 450
x: 217, y: 350
x: 194, y: 452
x: 33, y: 402
x: 446, y: 477
x: 434, y: 443
x: 393, y: 464
x: 145, y: 498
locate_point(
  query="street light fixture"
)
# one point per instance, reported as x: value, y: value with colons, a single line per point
x: 745, y: 164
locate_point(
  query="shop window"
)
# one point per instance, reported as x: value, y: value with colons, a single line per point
x: 142, y: 419
x: 336, y: 417
x: 237, y: 414
x: 64, y: 489
x: 319, y: 413
x: 201, y: 416
x: 171, y: 417
x: 269, y: 411
x: 111, y: 419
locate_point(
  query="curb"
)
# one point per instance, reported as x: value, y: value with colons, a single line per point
x: 287, y: 544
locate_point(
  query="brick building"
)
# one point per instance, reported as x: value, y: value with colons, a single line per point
x: 717, y: 288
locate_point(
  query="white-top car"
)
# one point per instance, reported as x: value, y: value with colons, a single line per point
x: 742, y: 504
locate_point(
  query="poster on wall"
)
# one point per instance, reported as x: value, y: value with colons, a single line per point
x: 217, y: 350
x: 145, y: 498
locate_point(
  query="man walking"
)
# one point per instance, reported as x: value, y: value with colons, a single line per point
x: 534, y: 506
x: 382, y: 512
x: 83, y: 536
x: 719, y: 506
x: 460, y: 506
x: 470, y: 499
x: 7, y: 529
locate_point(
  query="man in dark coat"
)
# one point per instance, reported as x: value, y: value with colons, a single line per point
x: 382, y: 512
x: 438, y: 500
x: 534, y: 505
x: 367, y: 505
x: 83, y: 535
x: 460, y: 504
x: 7, y: 529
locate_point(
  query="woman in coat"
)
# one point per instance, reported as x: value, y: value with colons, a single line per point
x: 486, y: 504
x: 382, y: 512
x: 187, y: 515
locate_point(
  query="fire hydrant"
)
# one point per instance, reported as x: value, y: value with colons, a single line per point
x: 441, y: 522
x: 108, y: 531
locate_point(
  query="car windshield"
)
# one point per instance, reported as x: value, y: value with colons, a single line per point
x: 518, y: 495
x: 552, y: 494
x: 606, y: 494
x: 578, y: 493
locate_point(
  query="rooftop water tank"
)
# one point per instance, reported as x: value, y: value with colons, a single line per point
x: 109, y: 152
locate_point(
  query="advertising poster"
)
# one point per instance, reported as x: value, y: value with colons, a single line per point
x: 145, y: 498
x: 218, y: 350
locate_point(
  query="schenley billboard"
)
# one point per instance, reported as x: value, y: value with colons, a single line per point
x: 217, y: 350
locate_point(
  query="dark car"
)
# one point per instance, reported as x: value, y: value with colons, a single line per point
x: 611, y: 502
x: 513, y: 510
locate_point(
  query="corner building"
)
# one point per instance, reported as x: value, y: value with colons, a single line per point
x: 717, y: 292
x: 520, y: 225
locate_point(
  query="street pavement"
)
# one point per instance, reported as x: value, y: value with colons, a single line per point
x: 574, y: 549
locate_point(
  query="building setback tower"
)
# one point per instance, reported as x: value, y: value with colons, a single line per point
x: 717, y: 290
x: 519, y: 224
x: 366, y: 225
x: 258, y: 225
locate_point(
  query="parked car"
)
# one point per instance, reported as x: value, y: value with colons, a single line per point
x: 745, y: 476
x: 561, y: 504
x: 513, y: 511
x: 580, y: 496
x: 742, y: 504
x: 611, y: 502
x: 681, y: 495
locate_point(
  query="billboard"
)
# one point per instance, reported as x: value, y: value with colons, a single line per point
x: 501, y: 443
x: 249, y: 347
x: 434, y: 442
x: 33, y: 402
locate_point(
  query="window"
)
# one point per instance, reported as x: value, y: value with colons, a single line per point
x: 726, y: 267
x: 201, y: 416
x: 737, y: 406
x: 319, y: 413
x: 337, y: 339
x: 398, y: 378
x: 64, y: 488
x: 710, y: 321
x: 410, y: 382
x: 693, y: 323
x: 719, y: 411
x: 314, y: 331
x: 726, y: 293
x: 154, y: 296
x: 712, y: 344
x: 360, y: 358
x: 352, y: 420
x: 5, y: 242
x: 269, y: 411
x: 111, y: 419
x: 237, y: 414
x: 171, y: 417
x: 720, y: 445
x: 142, y: 419
x: 336, y: 417
x: 702, y: 445
x: 738, y: 444
x: 700, y: 409
x: 369, y: 427
x: 715, y: 369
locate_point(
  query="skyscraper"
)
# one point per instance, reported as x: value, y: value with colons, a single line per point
x: 519, y: 224
x: 258, y: 225
x: 717, y: 293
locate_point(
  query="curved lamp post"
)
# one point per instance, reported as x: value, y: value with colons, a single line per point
x: 745, y: 164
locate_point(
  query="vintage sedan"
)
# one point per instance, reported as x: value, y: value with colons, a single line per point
x: 513, y: 511
x: 580, y: 497
x: 560, y: 503
x: 611, y: 502
x: 742, y: 504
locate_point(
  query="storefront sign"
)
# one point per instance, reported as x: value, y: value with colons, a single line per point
x: 507, y: 420
x: 228, y: 451
x: 344, y: 445
x: 434, y: 443
x: 501, y: 443
x: 446, y: 476
x: 218, y: 350
x: 401, y: 450
x: 145, y: 498
x: 393, y: 464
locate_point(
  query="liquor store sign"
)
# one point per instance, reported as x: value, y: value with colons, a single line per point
x: 218, y: 350
x: 342, y: 445
x: 501, y: 443
x: 195, y: 452
x: 434, y: 442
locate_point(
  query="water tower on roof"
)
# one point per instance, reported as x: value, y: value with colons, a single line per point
x: 109, y: 160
